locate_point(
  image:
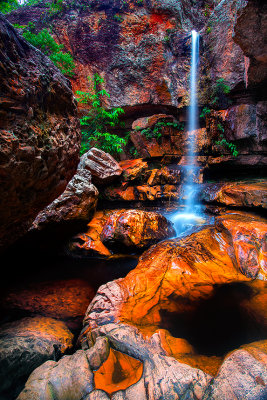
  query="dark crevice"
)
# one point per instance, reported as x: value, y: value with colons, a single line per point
x: 219, y: 324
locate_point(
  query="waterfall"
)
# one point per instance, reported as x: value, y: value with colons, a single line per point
x: 191, y: 214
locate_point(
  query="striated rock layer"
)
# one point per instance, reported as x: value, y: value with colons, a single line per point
x: 39, y: 133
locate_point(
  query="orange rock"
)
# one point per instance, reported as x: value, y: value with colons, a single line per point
x: 174, y: 276
x: 135, y: 228
x: 133, y: 169
x: 148, y: 122
x: 118, y: 372
x: 238, y: 194
x: 142, y: 192
x: 89, y: 243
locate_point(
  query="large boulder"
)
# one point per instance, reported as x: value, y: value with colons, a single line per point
x: 192, y: 281
x: 71, y: 377
x: 135, y: 229
x: 39, y: 133
x: 77, y: 203
x: 25, y: 345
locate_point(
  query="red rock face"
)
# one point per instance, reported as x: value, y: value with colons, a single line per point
x: 64, y: 300
x: 250, y: 34
x: 39, y: 133
x: 142, y: 49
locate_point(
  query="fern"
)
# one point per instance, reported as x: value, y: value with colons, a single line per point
x: 98, y: 121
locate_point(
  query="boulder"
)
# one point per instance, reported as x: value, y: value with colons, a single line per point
x: 175, y: 283
x: 135, y: 229
x: 72, y: 376
x: 150, y: 122
x: 25, y: 345
x: 243, y: 375
x: 89, y: 243
x: 77, y: 203
x: 242, y: 194
x: 39, y: 133
x: 133, y: 169
x: 204, y: 278
x: 102, y: 166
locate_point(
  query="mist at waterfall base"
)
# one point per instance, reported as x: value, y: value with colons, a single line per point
x: 189, y: 213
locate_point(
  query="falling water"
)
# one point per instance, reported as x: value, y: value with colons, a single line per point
x: 191, y: 214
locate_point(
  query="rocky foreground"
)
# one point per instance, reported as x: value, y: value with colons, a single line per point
x: 136, y: 342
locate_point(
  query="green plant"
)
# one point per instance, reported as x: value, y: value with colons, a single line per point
x: 219, y: 92
x: 8, y: 6
x: 208, y: 30
x: 55, y: 7
x: 97, y: 123
x: 47, y: 44
x: 118, y: 17
x: 205, y: 111
x: 156, y: 132
x: 231, y: 146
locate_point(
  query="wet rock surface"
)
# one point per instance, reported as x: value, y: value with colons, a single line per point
x: 26, y: 344
x: 244, y: 194
x: 249, y: 33
x: 118, y: 230
x: 39, y: 133
x: 135, y: 229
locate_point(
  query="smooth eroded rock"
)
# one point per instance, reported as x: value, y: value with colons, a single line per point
x: 77, y: 203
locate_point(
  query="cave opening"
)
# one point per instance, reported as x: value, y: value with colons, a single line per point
x: 223, y: 322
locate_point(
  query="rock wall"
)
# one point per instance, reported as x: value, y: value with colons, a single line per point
x: 142, y: 50
x: 39, y: 133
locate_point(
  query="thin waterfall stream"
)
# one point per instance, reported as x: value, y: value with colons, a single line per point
x: 190, y: 213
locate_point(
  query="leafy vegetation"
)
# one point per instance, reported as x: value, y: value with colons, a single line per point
x: 230, y: 146
x: 46, y: 43
x: 156, y: 132
x: 8, y: 6
x: 98, y: 122
x: 205, y: 111
x: 219, y: 92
